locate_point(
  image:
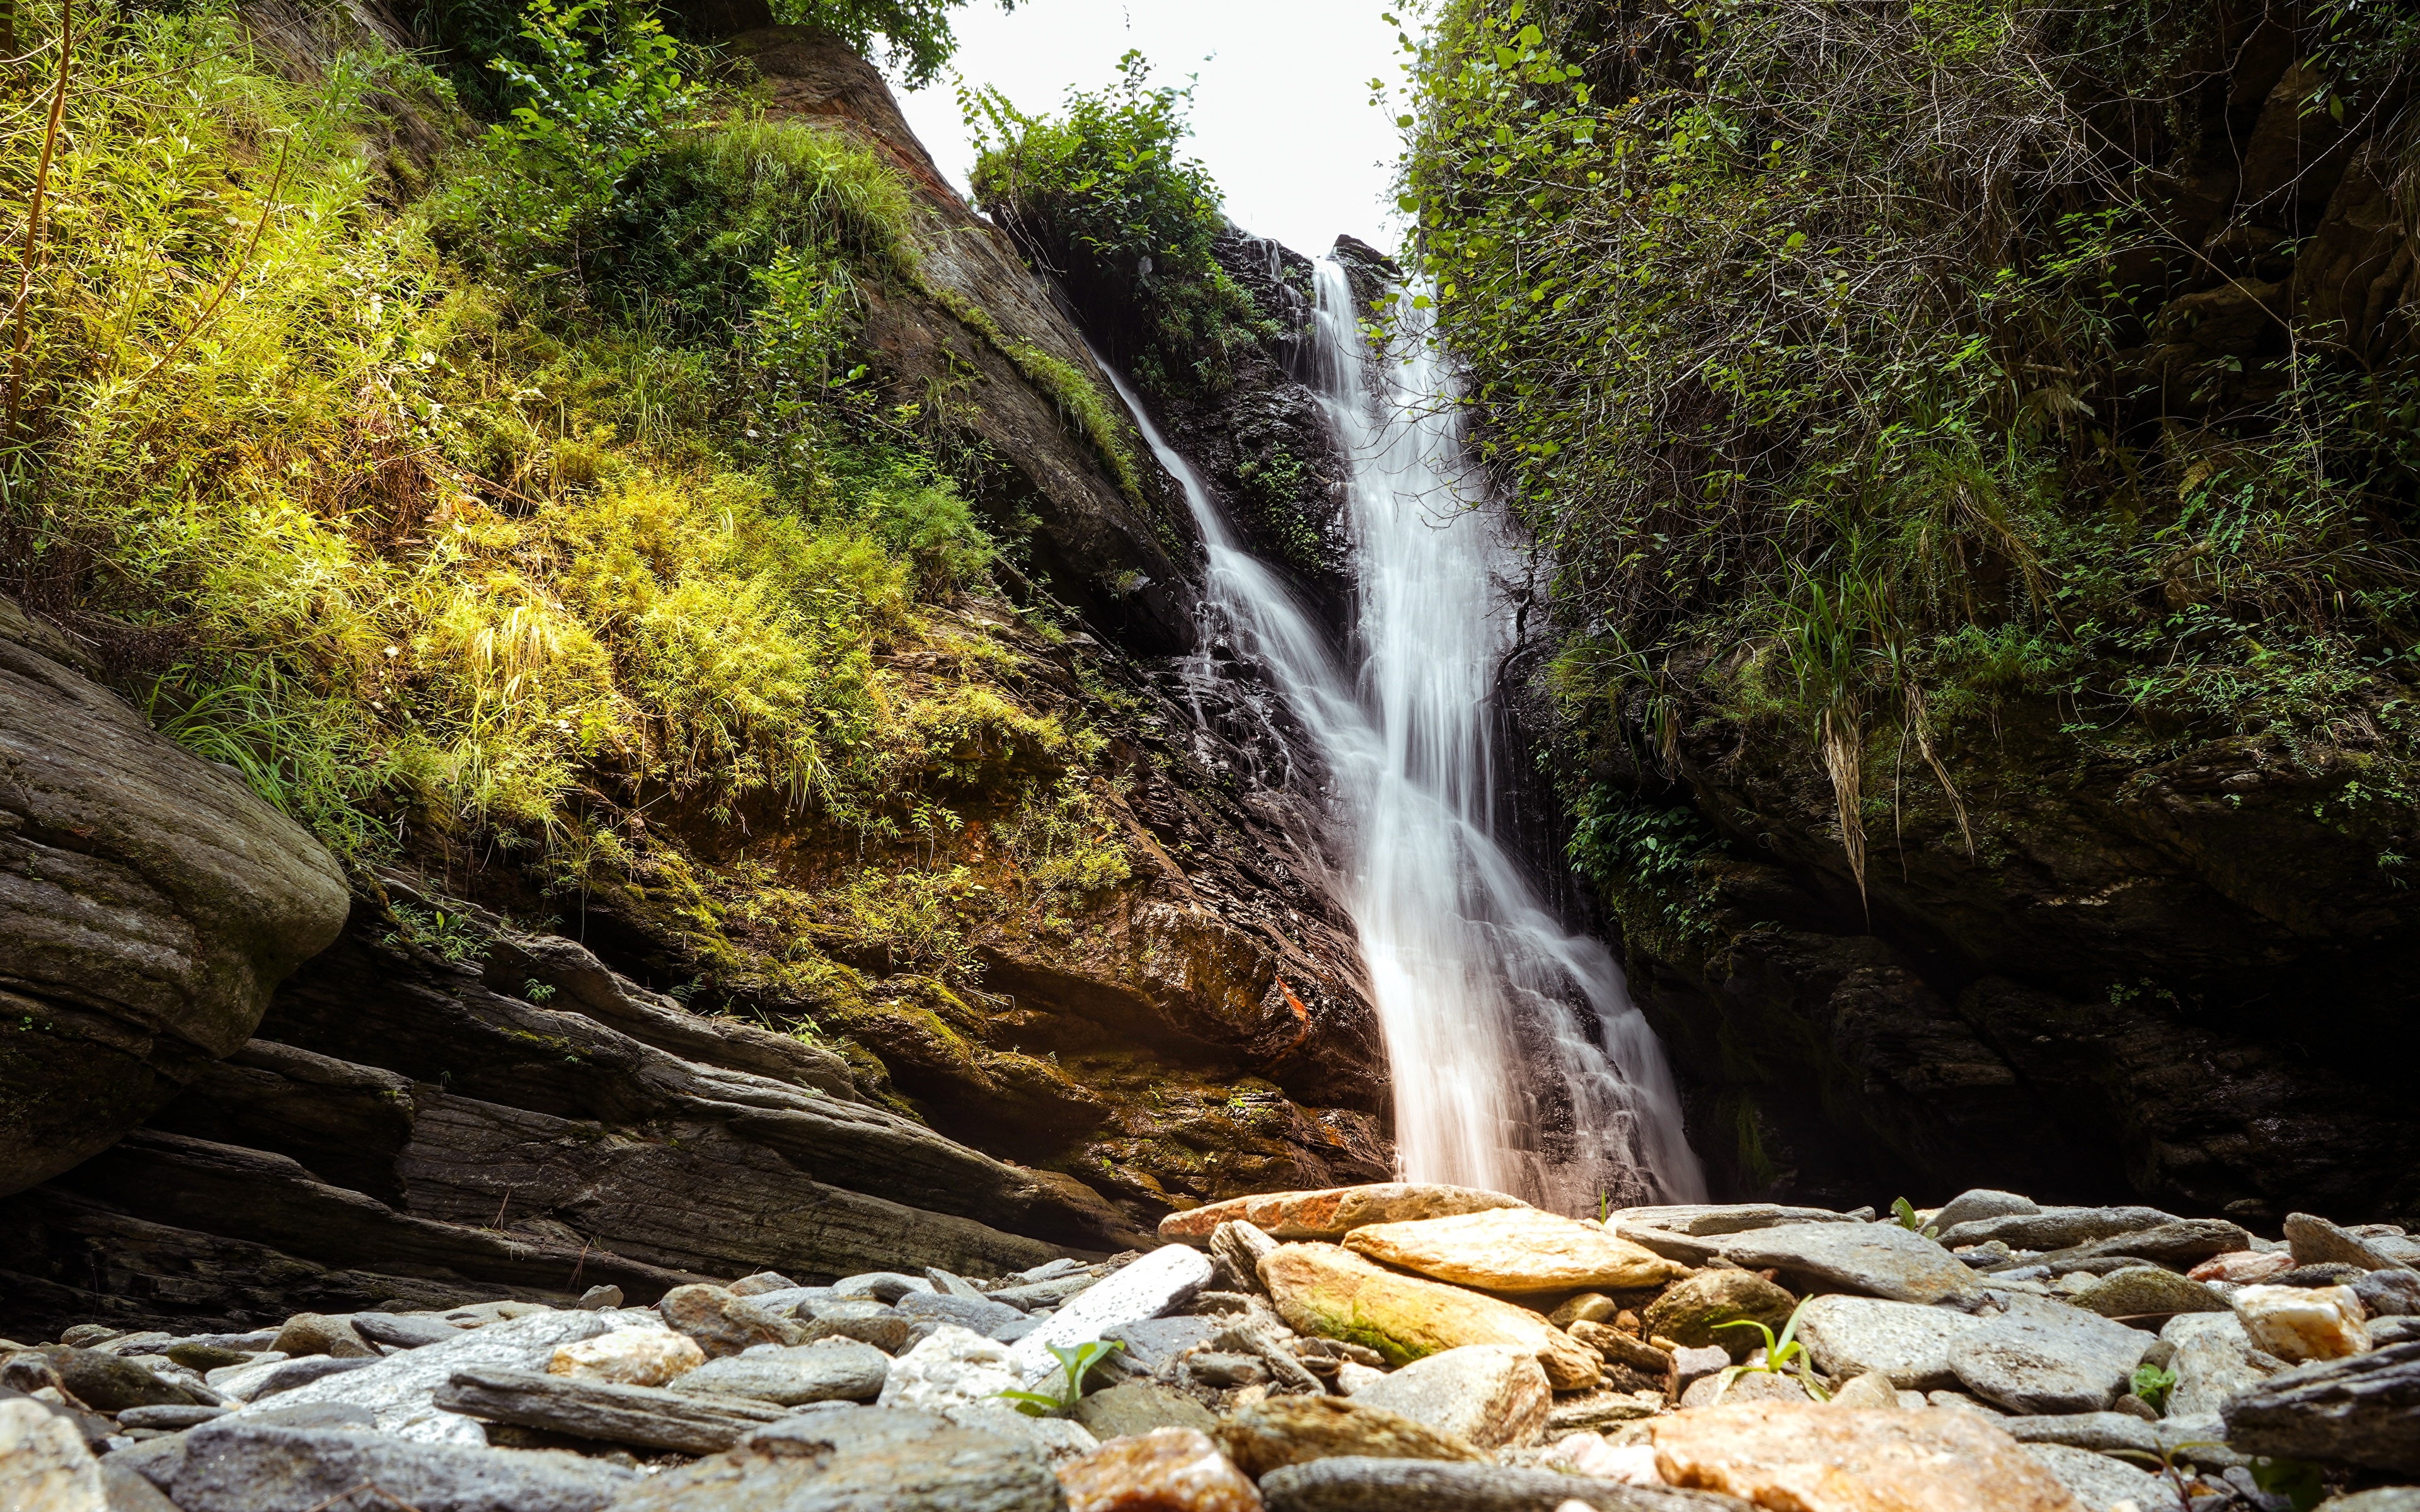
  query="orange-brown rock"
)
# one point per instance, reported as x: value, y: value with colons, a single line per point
x: 1515, y: 1250
x: 1167, y: 1470
x: 1292, y: 1430
x: 1328, y: 1291
x: 1333, y: 1213
x: 1802, y: 1458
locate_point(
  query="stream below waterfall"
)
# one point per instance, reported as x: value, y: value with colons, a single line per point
x: 1517, y: 1059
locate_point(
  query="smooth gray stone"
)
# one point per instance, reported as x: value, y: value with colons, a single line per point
x: 976, y: 1314
x: 2054, y: 1228
x: 2315, y: 1241
x: 2044, y: 1357
x: 1153, y: 1343
x: 2385, y: 1331
x: 950, y: 1285
x: 124, y: 1490
x: 795, y: 1302
x: 1982, y: 1202
x: 399, y: 1389
x: 1702, y: 1219
x: 878, y: 1286
x: 1878, y: 1259
x: 2361, y: 1411
x: 868, y: 1322
x: 2100, y: 1482
x: 861, y: 1459
x: 1908, y: 1342
x: 2199, y: 1440
x: 2212, y: 1361
x: 1685, y: 1248
x: 646, y: 1416
x: 2178, y: 1245
x: 237, y: 1464
x: 2097, y: 1432
x: 288, y: 1375
x: 793, y: 1375
x: 1356, y: 1482
x: 398, y: 1332
x: 251, y: 1343
x: 2389, y: 1293
x: 168, y: 1417
x: 2384, y: 1499
x: 1049, y: 1270
x: 1137, y: 1407
x: 762, y: 1282
x: 1057, y: 1439
x: 109, y: 1383
x: 1049, y: 1293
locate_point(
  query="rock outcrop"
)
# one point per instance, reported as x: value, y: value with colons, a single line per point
x: 149, y: 903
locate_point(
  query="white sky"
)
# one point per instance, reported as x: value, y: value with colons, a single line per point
x: 1282, y: 114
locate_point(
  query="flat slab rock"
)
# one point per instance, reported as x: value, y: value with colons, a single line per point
x: 1514, y: 1250
x: 1851, y: 1336
x: 1150, y: 1286
x: 2102, y: 1483
x: 1837, y: 1459
x: 2362, y: 1411
x: 1332, y: 1212
x: 2043, y: 1356
x: 831, y: 1370
x: 1485, y: 1395
x: 1701, y: 1218
x: 1877, y: 1259
x: 1357, y: 1483
x: 2055, y: 1228
x: 239, y: 1465
x: 1327, y: 1291
x: 399, y: 1392
x: 860, y: 1458
x: 645, y: 1417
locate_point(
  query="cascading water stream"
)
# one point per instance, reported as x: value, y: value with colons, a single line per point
x: 1518, y: 1061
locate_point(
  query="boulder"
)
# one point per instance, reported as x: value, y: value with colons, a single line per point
x: 887, y: 1329
x: 2055, y: 1228
x: 723, y: 1323
x: 2314, y: 1241
x: 1489, y: 1395
x: 1694, y: 1312
x: 1355, y: 1483
x: 2178, y: 1245
x: 1289, y: 1430
x: 1910, y: 1344
x: 44, y: 1466
x: 108, y: 1383
x: 1878, y: 1259
x: 629, y: 1357
x: 645, y: 1417
x: 825, y: 1371
x: 1969, y: 1206
x: 2302, y: 1323
x: 2212, y: 1363
x: 951, y: 1367
x: 2043, y: 1356
x: 239, y: 1465
x: 1703, y: 1218
x: 1330, y: 1292
x: 1150, y: 1286
x: 866, y: 1458
x: 1823, y: 1459
x: 1871, y: 1391
x: 1333, y: 1213
x: 2361, y: 1411
x: 2100, y: 1482
x: 149, y: 903
x: 1515, y: 1250
x: 1168, y: 1469
x: 1136, y: 1407
x: 2145, y: 1291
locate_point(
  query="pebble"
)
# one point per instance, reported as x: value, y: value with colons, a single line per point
x: 2145, y: 1291
x: 1167, y: 1470
x: 1692, y: 1312
x: 401, y: 1332
x: 645, y: 1417
x: 950, y: 1368
x: 1356, y: 1483
x: 2243, y: 1267
x: 1139, y: 1406
x: 1057, y: 1439
x: 975, y: 1314
x: 239, y: 1465
x: 2102, y: 1432
x: 722, y: 1323
x: 319, y: 1334
x: 1588, y: 1454
x: 1969, y: 1206
x: 878, y: 1286
x: 862, y: 1458
x: 2212, y: 1363
x: 762, y: 1282
x: 886, y: 1327
x: 1288, y: 1430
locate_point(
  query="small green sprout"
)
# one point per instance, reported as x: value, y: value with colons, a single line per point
x: 2153, y: 1384
x: 1075, y: 1362
x: 1781, y: 1355
x: 1904, y: 1211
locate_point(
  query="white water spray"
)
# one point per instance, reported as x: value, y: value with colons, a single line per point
x: 1486, y: 1001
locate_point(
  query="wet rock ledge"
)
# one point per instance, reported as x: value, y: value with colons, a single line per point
x: 1347, y: 1350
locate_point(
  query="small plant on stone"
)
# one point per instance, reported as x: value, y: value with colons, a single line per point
x: 1782, y: 1357
x: 451, y: 938
x: 2152, y: 1384
x: 1075, y: 1363
x: 536, y: 991
x: 1904, y: 1211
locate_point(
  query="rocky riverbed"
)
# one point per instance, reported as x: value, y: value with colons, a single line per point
x: 1389, y: 1346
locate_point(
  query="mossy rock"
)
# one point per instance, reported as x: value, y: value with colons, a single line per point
x: 1693, y: 1311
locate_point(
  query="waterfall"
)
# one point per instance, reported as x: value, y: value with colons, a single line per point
x: 1518, y: 1061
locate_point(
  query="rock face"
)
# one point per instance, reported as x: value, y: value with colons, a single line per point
x: 149, y: 905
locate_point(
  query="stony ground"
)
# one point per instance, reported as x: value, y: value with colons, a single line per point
x: 1376, y: 1348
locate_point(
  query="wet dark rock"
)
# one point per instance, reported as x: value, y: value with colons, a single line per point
x: 149, y: 903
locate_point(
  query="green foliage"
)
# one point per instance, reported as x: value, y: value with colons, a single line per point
x: 1904, y: 1211
x: 2152, y: 1384
x: 1781, y: 1355
x: 1832, y: 355
x: 1102, y: 194
x: 1644, y: 859
x: 1074, y: 1362
x: 915, y: 42
x: 453, y: 938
